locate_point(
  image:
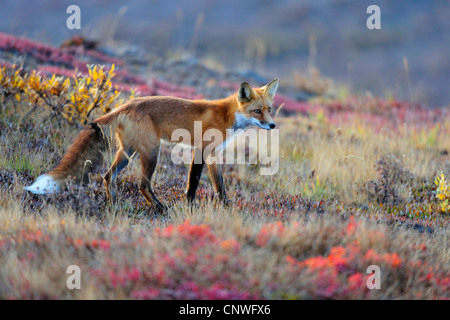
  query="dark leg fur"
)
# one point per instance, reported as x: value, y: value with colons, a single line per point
x: 148, y: 164
x: 195, y: 173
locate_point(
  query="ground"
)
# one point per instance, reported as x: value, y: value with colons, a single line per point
x: 356, y: 187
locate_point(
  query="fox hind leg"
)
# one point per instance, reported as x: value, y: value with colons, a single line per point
x: 217, y: 181
x: 121, y: 160
x: 148, y: 164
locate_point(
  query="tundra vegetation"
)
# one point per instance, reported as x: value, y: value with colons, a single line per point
x: 362, y: 181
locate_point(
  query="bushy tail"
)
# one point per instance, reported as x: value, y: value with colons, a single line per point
x: 82, y: 157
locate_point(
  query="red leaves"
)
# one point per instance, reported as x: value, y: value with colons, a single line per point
x: 93, y: 244
x: 188, y: 232
x: 42, y: 52
x: 36, y: 237
x: 338, y: 274
x: 189, y: 261
x: 391, y: 259
x: 268, y: 231
x: 49, y: 54
x: 146, y: 294
x: 352, y: 225
x: 193, y: 263
x: 337, y: 261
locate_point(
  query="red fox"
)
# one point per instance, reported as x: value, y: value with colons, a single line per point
x: 140, y: 124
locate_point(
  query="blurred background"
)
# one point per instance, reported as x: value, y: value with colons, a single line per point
x: 408, y: 58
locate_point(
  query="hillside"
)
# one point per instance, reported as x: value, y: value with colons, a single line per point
x: 272, y: 37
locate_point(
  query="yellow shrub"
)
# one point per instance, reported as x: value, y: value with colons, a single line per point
x: 443, y: 192
x: 91, y: 92
x: 11, y: 82
x: 72, y: 99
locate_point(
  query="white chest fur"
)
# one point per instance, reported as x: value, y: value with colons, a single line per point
x: 243, y: 122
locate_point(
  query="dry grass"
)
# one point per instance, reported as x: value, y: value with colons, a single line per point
x: 310, y: 231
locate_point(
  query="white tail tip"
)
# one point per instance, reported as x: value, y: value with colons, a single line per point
x: 44, y: 184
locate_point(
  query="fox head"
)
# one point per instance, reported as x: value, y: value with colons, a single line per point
x: 255, y: 106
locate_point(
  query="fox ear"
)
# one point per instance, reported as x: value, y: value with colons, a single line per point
x: 245, y: 93
x: 271, y: 88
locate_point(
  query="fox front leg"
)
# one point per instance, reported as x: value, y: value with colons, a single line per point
x: 195, y: 173
x: 217, y: 182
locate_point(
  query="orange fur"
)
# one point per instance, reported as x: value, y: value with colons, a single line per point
x: 141, y: 123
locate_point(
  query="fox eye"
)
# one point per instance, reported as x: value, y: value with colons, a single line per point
x: 257, y: 111
x: 269, y: 110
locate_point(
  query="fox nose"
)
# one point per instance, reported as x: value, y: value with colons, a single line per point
x: 272, y: 125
